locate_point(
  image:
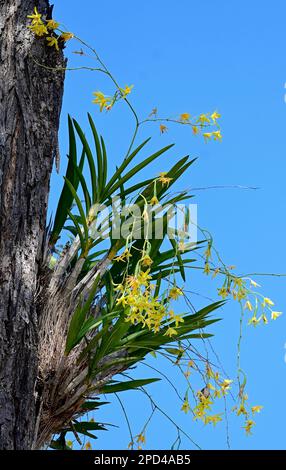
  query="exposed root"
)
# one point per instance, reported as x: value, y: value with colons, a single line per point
x: 63, y: 380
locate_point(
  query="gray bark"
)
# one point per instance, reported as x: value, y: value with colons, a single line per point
x: 30, y: 103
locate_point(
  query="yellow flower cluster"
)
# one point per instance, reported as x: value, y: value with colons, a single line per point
x: 216, y: 135
x: 164, y: 179
x: 126, y: 90
x: 107, y: 102
x: 207, y: 254
x: 243, y: 290
x: 185, y: 117
x: 103, y: 101
x: 197, y: 124
x: 238, y: 288
x: 141, y: 439
x: 249, y: 425
x: 46, y: 28
x: 202, y: 119
x: 154, y: 200
x: 215, y: 388
x: 124, y: 256
x: 163, y: 129
x: 242, y: 410
x: 138, y: 441
x: 260, y: 306
x: 204, y: 405
x: 136, y: 296
x: 205, y: 120
x: 186, y: 406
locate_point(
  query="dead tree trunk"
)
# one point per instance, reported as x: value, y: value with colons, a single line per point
x: 30, y: 103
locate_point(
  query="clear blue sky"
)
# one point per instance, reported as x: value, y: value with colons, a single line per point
x: 192, y: 56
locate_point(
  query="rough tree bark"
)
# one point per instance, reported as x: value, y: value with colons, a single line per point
x: 30, y: 103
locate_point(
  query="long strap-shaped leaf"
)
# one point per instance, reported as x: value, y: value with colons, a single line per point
x: 128, y: 385
x: 80, y: 208
x: 100, y: 182
x: 104, y: 162
x: 122, y: 167
x: 75, y: 329
x: 66, y: 197
x: 90, y: 160
x: 139, y: 167
x: 86, y: 194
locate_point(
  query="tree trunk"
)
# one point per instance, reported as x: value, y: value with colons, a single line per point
x: 30, y: 103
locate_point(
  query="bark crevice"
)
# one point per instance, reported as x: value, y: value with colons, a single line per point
x: 30, y: 104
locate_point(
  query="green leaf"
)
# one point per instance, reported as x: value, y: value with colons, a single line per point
x: 76, y: 331
x: 179, y: 258
x: 198, y: 336
x: 137, y: 186
x: 71, y: 228
x: 90, y: 161
x: 127, y: 361
x: 100, y: 182
x: 66, y: 197
x: 74, y: 327
x: 128, y: 385
x: 174, y: 351
x: 110, y: 342
x: 138, y: 168
x: 122, y: 167
x: 191, y: 323
x: 91, y: 324
x: 93, y: 405
x: 59, y: 445
x: 169, y: 265
x: 84, y: 426
x: 80, y: 208
x: 78, y: 230
x: 104, y: 162
x: 86, y: 194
